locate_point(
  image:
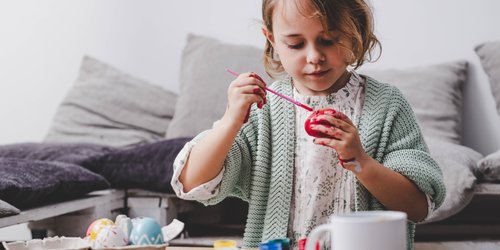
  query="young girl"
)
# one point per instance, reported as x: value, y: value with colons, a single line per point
x: 294, y: 182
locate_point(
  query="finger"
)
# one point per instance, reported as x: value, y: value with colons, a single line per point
x: 343, y: 124
x: 256, y: 91
x: 331, y: 118
x: 253, y: 98
x: 332, y: 143
x: 249, y: 89
x: 252, y: 89
x: 347, y: 120
x: 251, y: 78
x: 329, y: 131
x: 245, y: 94
x: 328, y: 142
x: 254, y: 75
x: 260, y: 92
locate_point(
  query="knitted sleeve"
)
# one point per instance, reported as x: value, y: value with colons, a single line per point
x: 406, y: 151
x: 237, y: 165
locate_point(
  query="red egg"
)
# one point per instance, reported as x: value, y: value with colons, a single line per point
x: 312, y: 121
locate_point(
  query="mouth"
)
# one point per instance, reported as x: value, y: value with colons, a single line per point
x: 317, y: 74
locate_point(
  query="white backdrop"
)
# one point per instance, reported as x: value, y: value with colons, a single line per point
x: 43, y: 41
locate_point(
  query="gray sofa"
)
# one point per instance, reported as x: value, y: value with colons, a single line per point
x: 111, y: 108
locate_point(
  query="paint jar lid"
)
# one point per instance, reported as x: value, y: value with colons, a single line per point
x: 225, y: 245
x: 270, y: 246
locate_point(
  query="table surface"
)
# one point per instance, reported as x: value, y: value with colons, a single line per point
x: 188, y: 248
x: 451, y: 245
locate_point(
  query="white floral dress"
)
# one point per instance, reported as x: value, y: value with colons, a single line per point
x: 322, y: 187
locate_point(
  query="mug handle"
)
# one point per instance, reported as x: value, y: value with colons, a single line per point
x: 314, y: 235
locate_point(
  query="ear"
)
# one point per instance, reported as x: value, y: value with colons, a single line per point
x: 269, y: 36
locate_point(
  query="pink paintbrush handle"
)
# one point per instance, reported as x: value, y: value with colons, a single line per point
x: 279, y: 94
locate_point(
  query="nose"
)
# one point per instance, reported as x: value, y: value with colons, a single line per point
x: 315, y: 55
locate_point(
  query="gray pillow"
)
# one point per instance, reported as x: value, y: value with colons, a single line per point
x: 26, y: 183
x: 489, y: 54
x: 489, y: 168
x: 458, y: 164
x: 75, y: 153
x: 106, y: 106
x: 204, y: 81
x: 148, y: 166
x: 6, y: 209
x: 434, y: 93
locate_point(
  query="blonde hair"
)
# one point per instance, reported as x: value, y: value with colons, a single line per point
x: 352, y: 18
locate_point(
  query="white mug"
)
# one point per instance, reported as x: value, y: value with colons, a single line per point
x: 366, y: 230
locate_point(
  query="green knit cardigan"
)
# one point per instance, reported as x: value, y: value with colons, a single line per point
x: 259, y: 166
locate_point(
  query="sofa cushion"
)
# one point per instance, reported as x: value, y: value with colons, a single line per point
x: 434, y: 93
x: 109, y: 107
x: 75, y: 153
x: 204, y: 81
x: 457, y: 163
x: 148, y: 166
x: 489, y: 168
x: 26, y: 183
x: 489, y: 54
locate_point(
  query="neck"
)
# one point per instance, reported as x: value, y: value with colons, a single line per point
x: 339, y: 84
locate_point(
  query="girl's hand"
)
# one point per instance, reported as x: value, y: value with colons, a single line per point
x: 340, y: 135
x: 246, y: 89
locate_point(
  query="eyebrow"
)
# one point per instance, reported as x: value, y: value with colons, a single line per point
x: 291, y: 35
x: 299, y: 35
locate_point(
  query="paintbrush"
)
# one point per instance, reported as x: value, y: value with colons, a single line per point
x: 279, y: 94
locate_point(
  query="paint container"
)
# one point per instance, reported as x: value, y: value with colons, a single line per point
x: 285, y: 243
x: 225, y: 245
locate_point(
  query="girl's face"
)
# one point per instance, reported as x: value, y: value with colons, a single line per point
x: 308, y: 53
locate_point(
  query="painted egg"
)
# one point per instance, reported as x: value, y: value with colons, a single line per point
x: 311, y: 120
x: 145, y: 231
x: 96, y: 226
x: 110, y: 236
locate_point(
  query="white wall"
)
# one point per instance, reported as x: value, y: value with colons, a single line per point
x: 42, y: 42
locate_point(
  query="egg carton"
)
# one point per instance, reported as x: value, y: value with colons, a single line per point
x: 69, y: 243
x: 169, y: 232
x: 150, y: 247
x: 59, y: 243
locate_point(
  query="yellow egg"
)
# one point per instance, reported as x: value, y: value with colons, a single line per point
x: 96, y: 226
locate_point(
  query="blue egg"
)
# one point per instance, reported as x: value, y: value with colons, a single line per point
x: 145, y: 231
